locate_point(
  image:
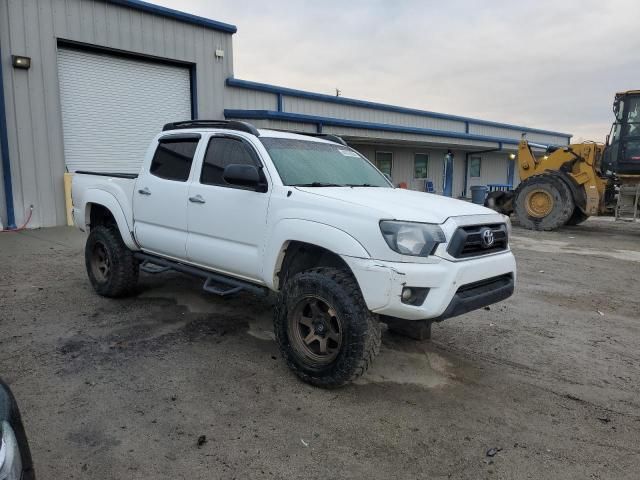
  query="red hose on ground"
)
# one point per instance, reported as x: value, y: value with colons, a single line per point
x: 24, y: 225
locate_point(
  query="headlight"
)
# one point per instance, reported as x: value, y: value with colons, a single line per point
x: 408, y: 238
x: 10, y: 460
x: 507, y: 221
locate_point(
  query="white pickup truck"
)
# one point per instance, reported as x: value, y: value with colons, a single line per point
x: 303, y: 216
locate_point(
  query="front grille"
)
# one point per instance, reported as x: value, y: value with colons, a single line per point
x: 467, y: 241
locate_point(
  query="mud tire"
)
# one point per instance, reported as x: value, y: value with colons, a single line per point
x: 360, y: 329
x: 118, y: 274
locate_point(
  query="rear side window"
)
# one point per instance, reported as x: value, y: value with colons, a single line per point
x: 223, y: 151
x: 173, y: 158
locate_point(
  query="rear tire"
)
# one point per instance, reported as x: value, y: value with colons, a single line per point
x: 577, y: 217
x: 543, y: 202
x: 325, y: 331
x: 111, y: 266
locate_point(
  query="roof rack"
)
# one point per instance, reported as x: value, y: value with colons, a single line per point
x: 325, y: 136
x: 228, y: 124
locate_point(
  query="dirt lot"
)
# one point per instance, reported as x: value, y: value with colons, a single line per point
x: 124, y: 389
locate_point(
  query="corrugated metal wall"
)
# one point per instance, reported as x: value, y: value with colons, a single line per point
x: 32, y: 27
x: 264, y: 97
x: 516, y: 134
x: 314, y: 107
x: 249, y: 99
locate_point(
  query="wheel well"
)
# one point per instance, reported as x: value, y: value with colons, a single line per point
x: 100, y: 215
x: 301, y: 256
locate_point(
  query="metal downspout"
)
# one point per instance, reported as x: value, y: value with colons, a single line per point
x: 4, y: 149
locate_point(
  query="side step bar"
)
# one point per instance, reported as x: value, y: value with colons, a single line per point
x: 215, y: 283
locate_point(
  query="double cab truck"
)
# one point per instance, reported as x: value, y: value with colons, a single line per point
x: 305, y: 217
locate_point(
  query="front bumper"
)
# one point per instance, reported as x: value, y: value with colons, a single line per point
x: 455, y: 288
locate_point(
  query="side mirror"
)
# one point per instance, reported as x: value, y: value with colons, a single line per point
x: 242, y: 175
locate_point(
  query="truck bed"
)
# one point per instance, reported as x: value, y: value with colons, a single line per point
x: 115, y: 189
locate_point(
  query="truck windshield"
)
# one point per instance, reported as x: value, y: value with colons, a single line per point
x: 318, y: 164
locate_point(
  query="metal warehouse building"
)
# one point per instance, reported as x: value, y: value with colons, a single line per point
x: 86, y: 84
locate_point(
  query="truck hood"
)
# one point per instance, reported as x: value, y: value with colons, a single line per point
x: 401, y: 204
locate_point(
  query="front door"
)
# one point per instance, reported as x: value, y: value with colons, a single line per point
x: 160, y: 197
x: 227, y: 223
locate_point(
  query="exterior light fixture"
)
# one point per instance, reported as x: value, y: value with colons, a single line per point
x: 19, y: 61
x: 512, y: 156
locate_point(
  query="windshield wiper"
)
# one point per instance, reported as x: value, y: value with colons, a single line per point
x: 360, y: 185
x: 317, y: 184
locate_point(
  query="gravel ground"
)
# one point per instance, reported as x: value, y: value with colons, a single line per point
x: 114, y: 389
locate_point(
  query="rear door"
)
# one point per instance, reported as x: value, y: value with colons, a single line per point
x: 160, y: 197
x: 227, y: 223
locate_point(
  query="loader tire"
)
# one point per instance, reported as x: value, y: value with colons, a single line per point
x: 501, y: 202
x: 577, y: 217
x: 543, y: 202
x: 325, y: 331
x: 111, y: 266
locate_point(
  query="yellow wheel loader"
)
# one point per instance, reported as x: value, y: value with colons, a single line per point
x: 567, y: 184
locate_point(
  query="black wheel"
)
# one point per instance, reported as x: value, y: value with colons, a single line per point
x: 111, y: 266
x: 326, y: 334
x: 543, y: 202
x: 577, y: 217
x: 501, y: 202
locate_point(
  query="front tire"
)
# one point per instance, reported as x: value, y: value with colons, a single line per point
x: 325, y: 331
x: 543, y: 202
x: 111, y: 266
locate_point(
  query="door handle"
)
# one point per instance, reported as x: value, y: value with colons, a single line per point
x: 144, y: 191
x: 197, y: 199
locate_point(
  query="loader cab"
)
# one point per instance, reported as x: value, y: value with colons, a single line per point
x: 622, y: 155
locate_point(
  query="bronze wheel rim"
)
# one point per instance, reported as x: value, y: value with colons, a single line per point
x: 539, y: 203
x: 315, y: 331
x: 100, y: 262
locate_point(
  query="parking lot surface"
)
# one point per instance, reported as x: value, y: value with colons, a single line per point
x: 176, y: 383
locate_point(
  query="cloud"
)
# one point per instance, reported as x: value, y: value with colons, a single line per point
x: 546, y: 64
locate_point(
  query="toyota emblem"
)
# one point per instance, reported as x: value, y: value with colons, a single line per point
x: 487, y: 237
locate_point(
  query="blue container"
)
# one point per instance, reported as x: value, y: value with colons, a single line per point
x: 478, y: 193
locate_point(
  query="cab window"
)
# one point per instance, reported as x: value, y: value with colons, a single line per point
x: 173, y: 158
x: 223, y: 151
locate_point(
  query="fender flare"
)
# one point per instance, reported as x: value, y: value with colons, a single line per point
x: 307, y: 231
x: 110, y: 202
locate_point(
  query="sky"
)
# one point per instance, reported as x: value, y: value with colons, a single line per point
x: 554, y: 65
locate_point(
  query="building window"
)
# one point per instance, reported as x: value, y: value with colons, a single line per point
x: 420, y: 164
x: 474, y: 166
x: 173, y: 158
x: 384, y: 162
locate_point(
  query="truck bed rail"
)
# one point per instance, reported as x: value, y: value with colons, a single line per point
x: 131, y: 176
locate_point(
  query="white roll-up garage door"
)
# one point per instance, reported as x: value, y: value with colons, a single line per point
x: 112, y: 107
